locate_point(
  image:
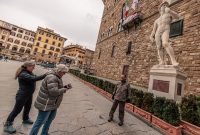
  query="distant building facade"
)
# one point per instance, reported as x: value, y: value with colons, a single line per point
x: 127, y: 49
x: 17, y: 41
x: 88, y: 58
x: 75, y: 51
x: 47, y: 46
x: 5, y: 30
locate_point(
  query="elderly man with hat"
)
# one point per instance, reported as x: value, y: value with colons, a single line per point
x: 49, y: 99
x: 27, y: 83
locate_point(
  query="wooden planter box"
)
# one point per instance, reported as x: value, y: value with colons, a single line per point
x: 190, y: 128
x: 108, y: 95
x: 129, y: 107
x: 166, y: 127
x: 142, y: 113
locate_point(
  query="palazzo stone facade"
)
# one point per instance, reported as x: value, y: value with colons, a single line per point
x: 130, y: 51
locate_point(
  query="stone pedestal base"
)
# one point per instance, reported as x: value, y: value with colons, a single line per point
x: 167, y: 81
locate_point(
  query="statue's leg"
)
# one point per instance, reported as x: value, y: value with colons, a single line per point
x: 159, y: 49
x: 169, y: 49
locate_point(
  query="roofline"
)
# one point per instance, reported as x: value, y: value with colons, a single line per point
x: 56, y: 34
x: 18, y: 26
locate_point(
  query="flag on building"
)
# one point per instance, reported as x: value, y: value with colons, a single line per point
x: 127, y: 8
x: 135, y: 4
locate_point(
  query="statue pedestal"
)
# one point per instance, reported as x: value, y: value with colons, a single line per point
x: 167, y: 81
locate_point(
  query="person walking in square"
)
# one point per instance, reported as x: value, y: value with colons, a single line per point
x: 27, y: 83
x: 120, y: 97
x: 49, y: 99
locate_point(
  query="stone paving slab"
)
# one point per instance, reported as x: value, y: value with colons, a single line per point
x: 82, y: 112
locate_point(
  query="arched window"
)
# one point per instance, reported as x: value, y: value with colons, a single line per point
x: 113, y: 51
x: 129, y: 48
x: 50, y: 53
x: 45, y: 46
x: 37, y: 44
x: 30, y: 45
x: 14, y: 48
x: 8, y: 46
x: 59, y: 44
x: 46, y: 41
x: 21, y: 50
x: 10, y: 40
x: 43, y: 51
x: 52, y: 48
x: 57, y: 50
x: 55, y: 55
x: 28, y: 51
x: 24, y: 43
x: 35, y: 50
x: 39, y: 38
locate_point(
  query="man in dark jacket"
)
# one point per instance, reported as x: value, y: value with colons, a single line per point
x: 27, y: 82
x: 120, y: 96
x: 49, y: 99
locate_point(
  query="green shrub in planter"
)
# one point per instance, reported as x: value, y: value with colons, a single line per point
x: 101, y: 82
x: 148, y: 102
x: 158, y: 106
x: 108, y: 86
x: 171, y: 112
x: 190, y: 109
x: 198, y: 104
x: 137, y: 98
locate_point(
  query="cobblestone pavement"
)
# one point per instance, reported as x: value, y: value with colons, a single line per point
x: 82, y: 112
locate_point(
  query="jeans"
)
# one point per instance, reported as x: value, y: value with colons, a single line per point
x: 121, y: 109
x: 46, y: 118
x: 22, y: 101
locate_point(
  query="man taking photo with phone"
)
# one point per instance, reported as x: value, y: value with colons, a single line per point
x: 49, y: 99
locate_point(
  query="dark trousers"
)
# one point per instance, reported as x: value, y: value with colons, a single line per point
x: 121, y: 109
x: 22, y: 101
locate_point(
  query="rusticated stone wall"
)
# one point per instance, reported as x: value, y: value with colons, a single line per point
x: 143, y: 54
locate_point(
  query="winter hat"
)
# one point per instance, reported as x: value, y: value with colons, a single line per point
x: 62, y: 68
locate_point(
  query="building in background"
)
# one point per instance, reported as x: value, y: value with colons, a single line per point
x: 124, y: 46
x: 5, y: 30
x: 17, y: 41
x: 87, y: 60
x: 75, y: 51
x: 47, y: 46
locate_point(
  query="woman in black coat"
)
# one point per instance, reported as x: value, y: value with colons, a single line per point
x: 27, y: 83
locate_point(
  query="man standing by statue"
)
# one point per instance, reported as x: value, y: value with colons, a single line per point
x: 160, y: 33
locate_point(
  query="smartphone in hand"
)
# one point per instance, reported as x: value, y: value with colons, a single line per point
x: 68, y: 86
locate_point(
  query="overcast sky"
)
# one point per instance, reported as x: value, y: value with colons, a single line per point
x: 77, y: 20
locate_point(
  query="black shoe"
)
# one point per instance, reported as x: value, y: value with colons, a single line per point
x: 120, y: 123
x: 29, y: 122
x: 110, y: 119
x: 8, y: 127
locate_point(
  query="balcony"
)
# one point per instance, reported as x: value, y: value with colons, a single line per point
x: 133, y: 20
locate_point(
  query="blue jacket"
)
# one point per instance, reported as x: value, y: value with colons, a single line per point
x: 27, y: 82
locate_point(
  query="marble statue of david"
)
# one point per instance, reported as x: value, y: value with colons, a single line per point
x: 160, y: 33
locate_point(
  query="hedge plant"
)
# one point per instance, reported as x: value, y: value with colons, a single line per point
x: 158, y: 106
x: 148, y: 100
x: 171, y: 112
x: 190, y: 109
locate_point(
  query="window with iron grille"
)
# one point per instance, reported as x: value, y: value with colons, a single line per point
x: 99, y: 54
x: 113, y: 51
x: 129, y: 48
